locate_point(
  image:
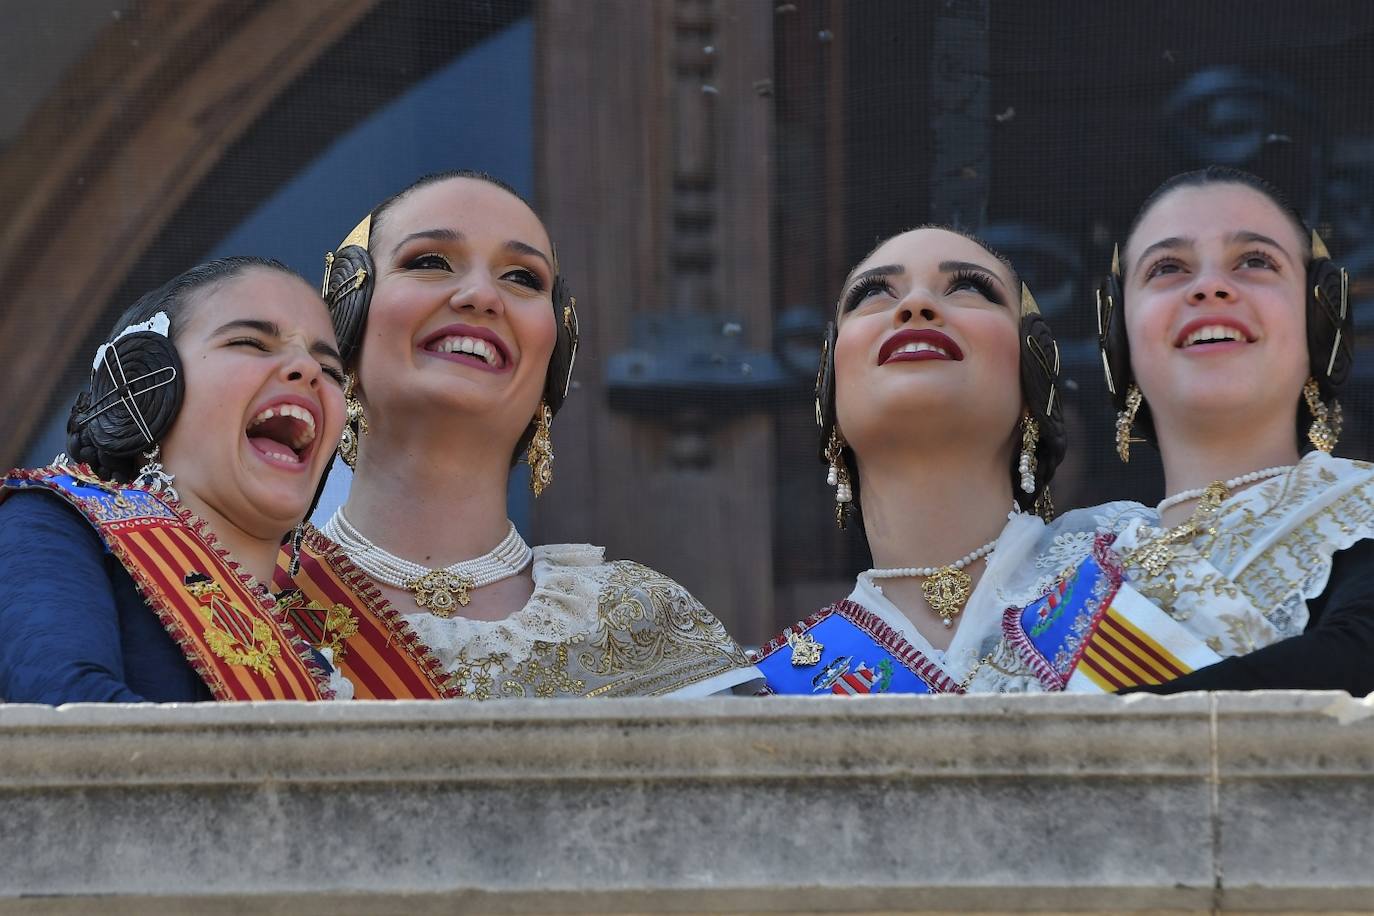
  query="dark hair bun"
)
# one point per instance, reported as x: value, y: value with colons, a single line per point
x: 1329, y: 333
x: 102, y: 430
x: 1040, y: 388
x: 348, y: 286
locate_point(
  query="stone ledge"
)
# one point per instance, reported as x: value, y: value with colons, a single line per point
x: 994, y: 804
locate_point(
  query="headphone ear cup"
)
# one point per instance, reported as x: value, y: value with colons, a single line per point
x: 348, y: 284
x: 825, y: 389
x: 1329, y: 326
x: 559, y: 378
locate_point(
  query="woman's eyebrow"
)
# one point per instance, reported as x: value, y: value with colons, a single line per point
x: 248, y: 324
x: 949, y: 267
x: 439, y: 235
x: 887, y: 270
x: 1246, y: 236
x: 523, y: 248
x: 1172, y: 243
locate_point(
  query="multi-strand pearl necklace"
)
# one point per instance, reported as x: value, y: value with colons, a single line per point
x: 1230, y: 485
x: 947, y: 588
x: 436, y: 590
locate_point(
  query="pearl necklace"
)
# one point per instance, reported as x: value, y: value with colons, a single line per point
x: 435, y: 590
x: 1230, y: 485
x: 947, y: 588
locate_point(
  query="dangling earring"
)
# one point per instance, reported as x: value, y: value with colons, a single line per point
x: 838, y: 477
x: 1030, y: 438
x: 1326, y: 421
x: 539, y: 455
x: 1125, y: 420
x: 355, y: 422
x: 154, y: 478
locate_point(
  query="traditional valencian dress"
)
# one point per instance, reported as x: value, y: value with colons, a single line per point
x: 865, y: 644
x: 592, y: 628
x: 1269, y: 591
x: 109, y: 593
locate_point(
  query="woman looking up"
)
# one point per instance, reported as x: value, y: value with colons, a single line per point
x: 1227, y: 335
x: 461, y: 339
x: 130, y: 571
x: 938, y: 392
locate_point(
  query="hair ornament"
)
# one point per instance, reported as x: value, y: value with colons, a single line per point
x: 159, y: 324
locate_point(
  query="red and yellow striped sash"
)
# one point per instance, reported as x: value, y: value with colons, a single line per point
x: 338, y: 607
x: 229, y: 629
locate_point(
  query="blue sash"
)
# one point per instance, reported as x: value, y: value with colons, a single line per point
x: 848, y: 650
x: 1093, y: 632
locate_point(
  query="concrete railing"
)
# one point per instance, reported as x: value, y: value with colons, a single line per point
x: 1018, y: 804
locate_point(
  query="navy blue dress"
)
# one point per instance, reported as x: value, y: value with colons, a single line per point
x: 73, y: 627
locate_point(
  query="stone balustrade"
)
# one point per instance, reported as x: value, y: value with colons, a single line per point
x: 1195, y: 803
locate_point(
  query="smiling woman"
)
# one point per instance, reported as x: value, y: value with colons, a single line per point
x: 1227, y: 334
x: 460, y: 337
x: 132, y: 569
x: 939, y: 391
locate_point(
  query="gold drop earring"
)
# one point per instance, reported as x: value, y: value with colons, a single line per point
x: 539, y: 455
x: 355, y: 422
x: 1125, y: 420
x: 1325, y: 429
x: 1026, y: 466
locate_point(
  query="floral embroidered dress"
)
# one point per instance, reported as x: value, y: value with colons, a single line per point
x: 591, y: 628
x: 1277, y: 584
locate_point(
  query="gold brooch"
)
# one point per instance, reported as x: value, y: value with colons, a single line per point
x: 438, y: 590
x: 805, y: 650
x: 947, y: 592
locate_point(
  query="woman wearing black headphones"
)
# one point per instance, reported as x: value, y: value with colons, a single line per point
x: 1226, y: 335
x: 460, y: 340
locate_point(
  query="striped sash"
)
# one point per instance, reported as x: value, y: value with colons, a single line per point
x: 337, y: 607
x: 230, y: 631
x: 846, y: 649
x: 1094, y: 633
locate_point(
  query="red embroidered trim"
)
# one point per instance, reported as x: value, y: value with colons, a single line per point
x: 777, y: 642
x: 1016, y: 634
x: 362, y: 585
x: 152, y: 595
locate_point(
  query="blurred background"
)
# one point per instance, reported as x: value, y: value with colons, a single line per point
x: 709, y: 170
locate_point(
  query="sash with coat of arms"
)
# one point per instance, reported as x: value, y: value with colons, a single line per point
x: 229, y: 629
x: 846, y: 649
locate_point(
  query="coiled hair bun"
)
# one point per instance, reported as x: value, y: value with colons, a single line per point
x: 135, y: 394
x: 137, y: 385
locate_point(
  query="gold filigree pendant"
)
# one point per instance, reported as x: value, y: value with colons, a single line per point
x: 805, y: 650
x: 947, y: 592
x: 439, y: 591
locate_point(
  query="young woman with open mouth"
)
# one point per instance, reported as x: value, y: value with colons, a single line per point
x: 1226, y: 335
x: 938, y: 391
x: 132, y: 570
x: 460, y: 339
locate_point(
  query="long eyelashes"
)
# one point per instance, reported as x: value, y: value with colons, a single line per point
x: 982, y: 283
x: 865, y: 288
x: 433, y: 261
x: 428, y: 261
x: 962, y: 279
x: 333, y: 372
x: 1170, y: 265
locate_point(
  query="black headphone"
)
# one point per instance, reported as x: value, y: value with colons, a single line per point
x: 350, y: 277
x: 1039, y: 387
x: 1330, y: 348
